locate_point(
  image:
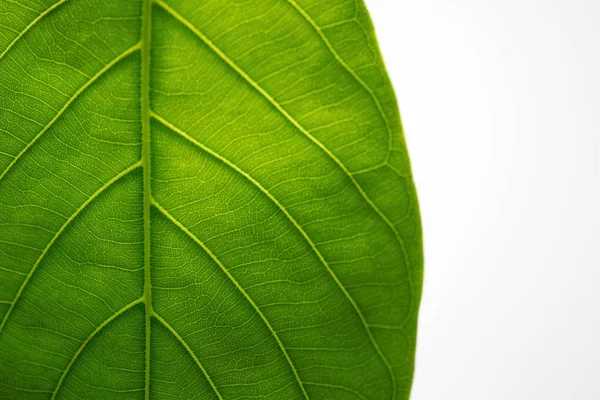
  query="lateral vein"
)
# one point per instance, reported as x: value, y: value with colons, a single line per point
x: 313, y: 246
x: 190, y: 351
x: 328, y: 152
x: 240, y: 288
x: 59, y: 232
x: 31, y: 24
x: 341, y: 61
x: 89, y: 339
x: 68, y: 103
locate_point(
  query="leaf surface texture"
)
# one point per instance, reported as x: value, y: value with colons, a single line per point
x: 202, y: 200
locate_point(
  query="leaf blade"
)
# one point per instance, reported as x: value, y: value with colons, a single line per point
x: 271, y: 141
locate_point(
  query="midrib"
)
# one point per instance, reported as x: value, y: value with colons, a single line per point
x: 145, y: 101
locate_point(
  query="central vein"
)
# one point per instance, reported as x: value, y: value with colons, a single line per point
x: 145, y: 92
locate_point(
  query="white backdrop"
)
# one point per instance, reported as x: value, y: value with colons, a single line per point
x: 501, y: 106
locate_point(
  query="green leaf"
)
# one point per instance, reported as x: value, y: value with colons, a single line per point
x: 202, y: 199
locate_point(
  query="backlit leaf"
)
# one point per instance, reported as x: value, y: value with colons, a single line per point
x: 202, y: 200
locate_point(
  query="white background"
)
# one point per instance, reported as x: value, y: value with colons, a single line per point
x: 501, y: 106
